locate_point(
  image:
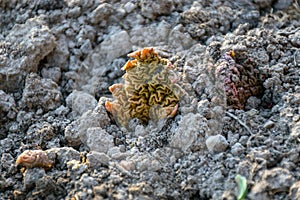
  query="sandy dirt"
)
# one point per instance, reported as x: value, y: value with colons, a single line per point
x: 237, y: 64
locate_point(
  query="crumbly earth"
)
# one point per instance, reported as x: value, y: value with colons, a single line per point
x: 58, y: 58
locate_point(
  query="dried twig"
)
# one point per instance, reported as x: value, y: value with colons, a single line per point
x: 239, y: 121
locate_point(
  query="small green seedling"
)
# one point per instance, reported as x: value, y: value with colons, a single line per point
x: 242, y: 186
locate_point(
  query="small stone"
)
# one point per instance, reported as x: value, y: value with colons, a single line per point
x: 237, y: 149
x: 188, y: 136
x: 153, y: 9
x: 218, y: 176
x: 63, y: 155
x: 269, y: 124
x: 59, y: 56
x: 96, y: 118
x: 253, y: 112
x: 62, y: 110
x: 128, y: 165
x: 7, y: 102
x: 14, y: 127
x: 74, y: 12
x: 31, y: 176
x: 24, y: 47
x: 140, y: 130
x: 116, y: 45
x: 6, y: 145
x: 53, y: 73
x: 80, y: 102
x: 115, y: 153
x: 180, y: 40
x: 96, y: 159
x: 244, y: 139
x: 145, y: 163
x: 102, y: 12
x: 7, y: 106
x: 99, y: 140
x: 46, y: 187
x: 72, y: 135
x: 41, y: 93
x: 7, y: 162
x: 216, y: 143
x: 150, y: 35
x: 129, y: 7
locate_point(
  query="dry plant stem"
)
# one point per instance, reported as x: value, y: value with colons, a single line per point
x: 239, y: 121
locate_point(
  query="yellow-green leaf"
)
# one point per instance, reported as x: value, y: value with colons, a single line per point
x: 242, y: 186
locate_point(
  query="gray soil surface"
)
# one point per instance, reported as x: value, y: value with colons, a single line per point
x: 238, y: 63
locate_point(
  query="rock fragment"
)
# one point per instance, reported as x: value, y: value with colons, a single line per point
x: 99, y: 140
x: 80, y: 102
x: 96, y: 159
x: 274, y: 180
x: 216, y: 143
x: 189, y: 137
x: 22, y: 50
x: 129, y: 7
x: 7, y: 106
x: 63, y: 155
x: 269, y: 124
x: 101, y: 13
x: 237, y: 149
x: 152, y: 9
x: 31, y: 177
x: 96, y: 118
x: 41, y: 93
